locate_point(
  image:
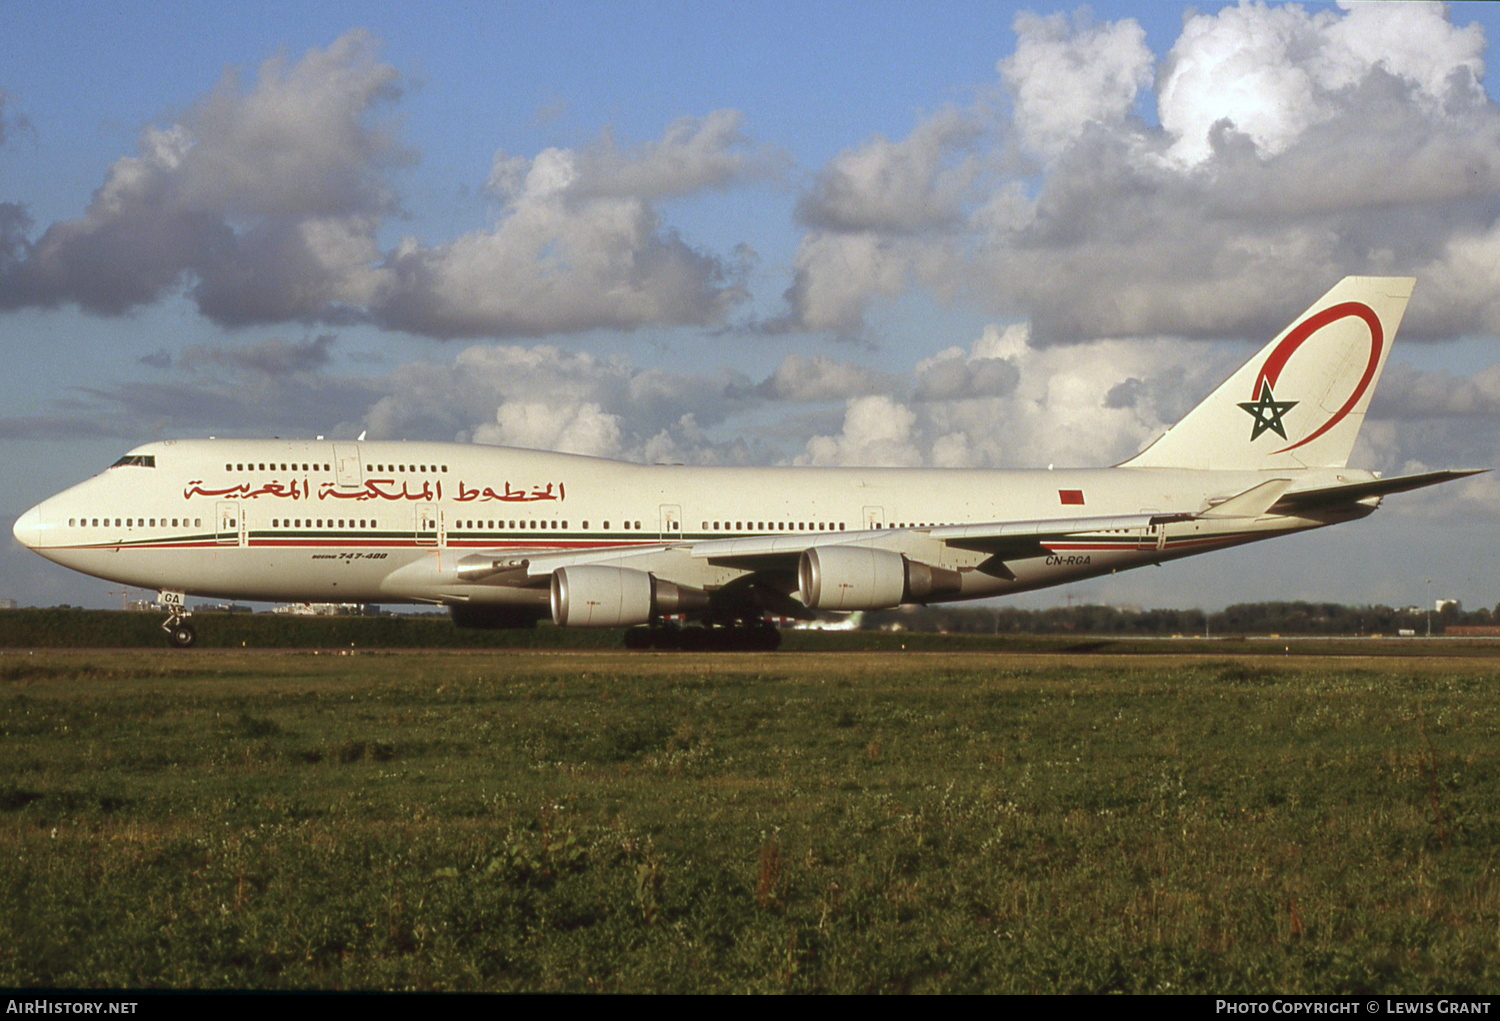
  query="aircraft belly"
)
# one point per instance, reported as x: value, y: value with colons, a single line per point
x: 308, y: 575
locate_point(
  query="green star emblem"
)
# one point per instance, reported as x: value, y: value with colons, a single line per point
x: 1267, y: 412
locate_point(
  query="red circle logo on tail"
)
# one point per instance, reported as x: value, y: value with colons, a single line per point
x: 1270, y: 372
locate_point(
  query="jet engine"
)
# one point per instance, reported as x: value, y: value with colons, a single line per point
x: 594, y: 595
x: 861, y: 578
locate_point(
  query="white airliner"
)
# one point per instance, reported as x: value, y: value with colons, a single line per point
x: 506, y: 537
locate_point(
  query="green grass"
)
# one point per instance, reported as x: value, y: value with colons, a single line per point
x: 56, y: 628
x: 579, y: 821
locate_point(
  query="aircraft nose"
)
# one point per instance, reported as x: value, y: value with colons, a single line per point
x: 28, y: 528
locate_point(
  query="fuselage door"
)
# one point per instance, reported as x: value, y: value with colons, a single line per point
x: 874, y: 518
x: 427, y: 524
x: 1156, y: 535
x: 671, y: 522
x: 230, y: 531
x: 346, y: 464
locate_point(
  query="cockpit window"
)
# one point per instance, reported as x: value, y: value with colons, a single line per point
x: 136, y: 460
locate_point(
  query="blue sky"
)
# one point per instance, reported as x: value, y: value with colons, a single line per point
x: 841, y: 233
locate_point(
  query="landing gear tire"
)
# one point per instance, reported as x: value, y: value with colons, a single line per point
x: 182, y: 636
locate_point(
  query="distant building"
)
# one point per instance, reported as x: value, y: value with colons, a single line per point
x: 327, y: 610
x: 1443, y: 604
x: 7, y: 604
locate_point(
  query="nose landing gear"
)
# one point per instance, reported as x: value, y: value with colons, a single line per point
x: 180, y: 633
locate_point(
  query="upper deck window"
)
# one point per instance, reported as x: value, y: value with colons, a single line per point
x: 136, y: 460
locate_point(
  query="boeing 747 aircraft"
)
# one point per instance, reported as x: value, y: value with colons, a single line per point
x: 505, y: 537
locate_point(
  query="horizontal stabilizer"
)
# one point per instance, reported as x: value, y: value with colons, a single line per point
x: 1252, y: 503
x: 1338, y: 496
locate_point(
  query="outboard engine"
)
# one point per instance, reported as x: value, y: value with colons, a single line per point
x: 863, y: 578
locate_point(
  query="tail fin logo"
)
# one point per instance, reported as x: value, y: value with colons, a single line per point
x: 1267, y: 411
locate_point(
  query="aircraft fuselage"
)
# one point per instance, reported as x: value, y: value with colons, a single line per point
x: 390, y: 522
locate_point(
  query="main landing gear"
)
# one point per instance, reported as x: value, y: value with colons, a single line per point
x: 756, y: 636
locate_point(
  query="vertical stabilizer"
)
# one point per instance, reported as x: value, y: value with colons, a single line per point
x: 1300, y: 401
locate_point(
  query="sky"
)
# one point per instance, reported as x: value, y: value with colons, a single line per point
x: 882, y: 233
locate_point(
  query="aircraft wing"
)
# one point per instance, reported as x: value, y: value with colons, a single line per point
x: 1002, y: 540
x: 1030, y: 538
x: 1006, y: 538
x: 769, y: 553
x: 524, y: 568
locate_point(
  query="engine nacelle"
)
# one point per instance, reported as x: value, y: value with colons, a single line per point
x: 851, y: 578
x: 594, y: 595
x: 862, y: 578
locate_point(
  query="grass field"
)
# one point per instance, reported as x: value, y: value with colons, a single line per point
x: 587, y: 820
